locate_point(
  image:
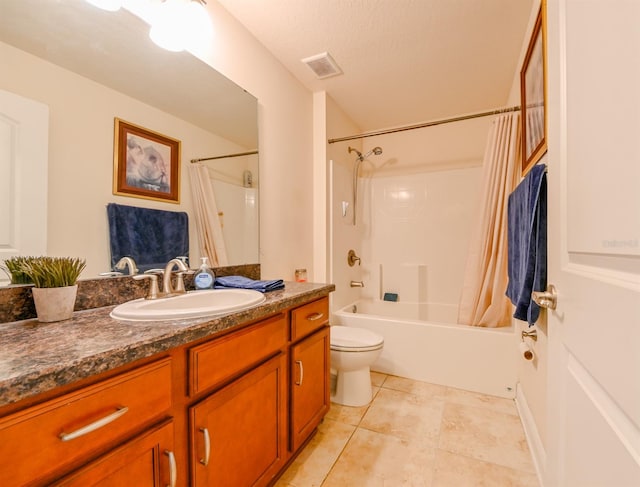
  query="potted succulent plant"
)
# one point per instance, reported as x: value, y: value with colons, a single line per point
x: 55, y: 285
x: 13, y: 267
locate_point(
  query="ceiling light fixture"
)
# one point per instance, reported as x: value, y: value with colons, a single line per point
x: 110, y: 5
x: 180, y: 24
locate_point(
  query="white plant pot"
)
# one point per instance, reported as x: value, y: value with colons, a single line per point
x: 54, y: 303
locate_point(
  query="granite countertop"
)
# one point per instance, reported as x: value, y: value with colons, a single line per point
x: 37, y: 357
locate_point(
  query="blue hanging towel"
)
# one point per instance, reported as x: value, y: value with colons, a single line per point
x: 246, y: 283
x: 527, y: 243
x: 151, y: 237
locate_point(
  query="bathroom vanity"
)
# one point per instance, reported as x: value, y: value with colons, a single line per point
x: 227, y: 401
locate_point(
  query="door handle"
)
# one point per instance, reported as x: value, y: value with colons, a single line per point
x: 173, y: 469
x: 299, y: 362
x: 547, y: 299
x: 207, y: 447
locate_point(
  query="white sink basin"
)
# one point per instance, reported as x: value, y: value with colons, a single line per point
x: 194, y: 304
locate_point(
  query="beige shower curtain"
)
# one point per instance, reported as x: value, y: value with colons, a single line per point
x: 207, y: 221
x: 483, y: 301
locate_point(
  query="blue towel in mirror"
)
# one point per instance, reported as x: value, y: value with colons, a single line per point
x: 246, y: 283
x: 151, y: 237
x: 527, y: 243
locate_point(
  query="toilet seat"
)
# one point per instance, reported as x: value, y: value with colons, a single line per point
x: 350, y: 339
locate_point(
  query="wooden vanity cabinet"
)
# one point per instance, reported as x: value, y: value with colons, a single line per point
x: 244, y: 433
x: 309, y: 365
x: 238, y: 433
x: 44, y: 441
x: 228, y: 411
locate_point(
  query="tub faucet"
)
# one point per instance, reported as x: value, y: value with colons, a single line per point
x: 356, y: 284
x: 167, y: 287
x: 127, y: 262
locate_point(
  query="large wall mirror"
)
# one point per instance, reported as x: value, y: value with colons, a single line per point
x: 89, y: 66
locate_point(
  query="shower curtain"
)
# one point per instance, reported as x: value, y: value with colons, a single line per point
x: 207, y: 221
x: 483, y: 301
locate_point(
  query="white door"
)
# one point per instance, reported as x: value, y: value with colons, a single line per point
x: 24, y: 150
x: 594, y: 243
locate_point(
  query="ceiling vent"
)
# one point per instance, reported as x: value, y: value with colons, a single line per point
x: 323, y: 65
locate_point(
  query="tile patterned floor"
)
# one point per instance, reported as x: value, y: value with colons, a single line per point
x: 415, y: 434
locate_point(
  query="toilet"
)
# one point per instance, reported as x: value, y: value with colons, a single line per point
x: 353, y: 350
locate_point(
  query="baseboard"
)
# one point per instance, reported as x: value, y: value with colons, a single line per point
x: 531, y: 433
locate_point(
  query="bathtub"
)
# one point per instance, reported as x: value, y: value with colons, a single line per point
x: 423, y: 342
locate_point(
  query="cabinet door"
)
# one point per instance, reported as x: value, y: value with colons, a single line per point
x: 145, y: 461
x: 238, y: 434
x: 309, y: 385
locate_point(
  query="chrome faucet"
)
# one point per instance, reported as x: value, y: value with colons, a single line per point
x: 167, y: 287
x: 127, y: 262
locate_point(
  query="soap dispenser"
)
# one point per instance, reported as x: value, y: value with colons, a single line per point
x: 205, y: 277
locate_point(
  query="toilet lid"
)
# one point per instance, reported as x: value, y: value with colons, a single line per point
x: 348, y: 338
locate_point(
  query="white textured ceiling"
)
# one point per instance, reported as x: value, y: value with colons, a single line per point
x: 404, y: 61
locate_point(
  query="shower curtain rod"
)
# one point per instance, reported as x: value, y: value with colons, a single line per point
x: 224, y: 157
x: 425, y: 124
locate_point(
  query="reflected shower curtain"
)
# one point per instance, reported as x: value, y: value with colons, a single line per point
x: 207, y: 221
x: 483, y: 301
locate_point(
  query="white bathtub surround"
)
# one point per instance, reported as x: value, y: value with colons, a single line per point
x: 472, y: 358
x: 483, y: 301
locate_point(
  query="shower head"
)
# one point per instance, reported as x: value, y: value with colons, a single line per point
x: 375, y: 151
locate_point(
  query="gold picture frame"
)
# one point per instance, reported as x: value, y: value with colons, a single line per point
x: 533, y: 96
x: 146, y: 164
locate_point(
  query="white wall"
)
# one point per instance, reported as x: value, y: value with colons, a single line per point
x: 81, y: 153
x: 285, y: 123
x: 343, y: 234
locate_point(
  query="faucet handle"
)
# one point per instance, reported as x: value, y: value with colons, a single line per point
x: 352, y: 258
x: 179, y: 286
x: 154, y: 291
x: 154, y: 271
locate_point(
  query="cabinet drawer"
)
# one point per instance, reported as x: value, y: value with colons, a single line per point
x: 60, y: 432
x: 148, y: 460
x: 218, y: 360
x: 309, y: 318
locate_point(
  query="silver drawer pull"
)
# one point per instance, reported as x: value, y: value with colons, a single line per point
x: 94, y: 426
x: 315, y: 316
x: 173, y: 469
x: 299, y: 362
x: 207, y: 447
